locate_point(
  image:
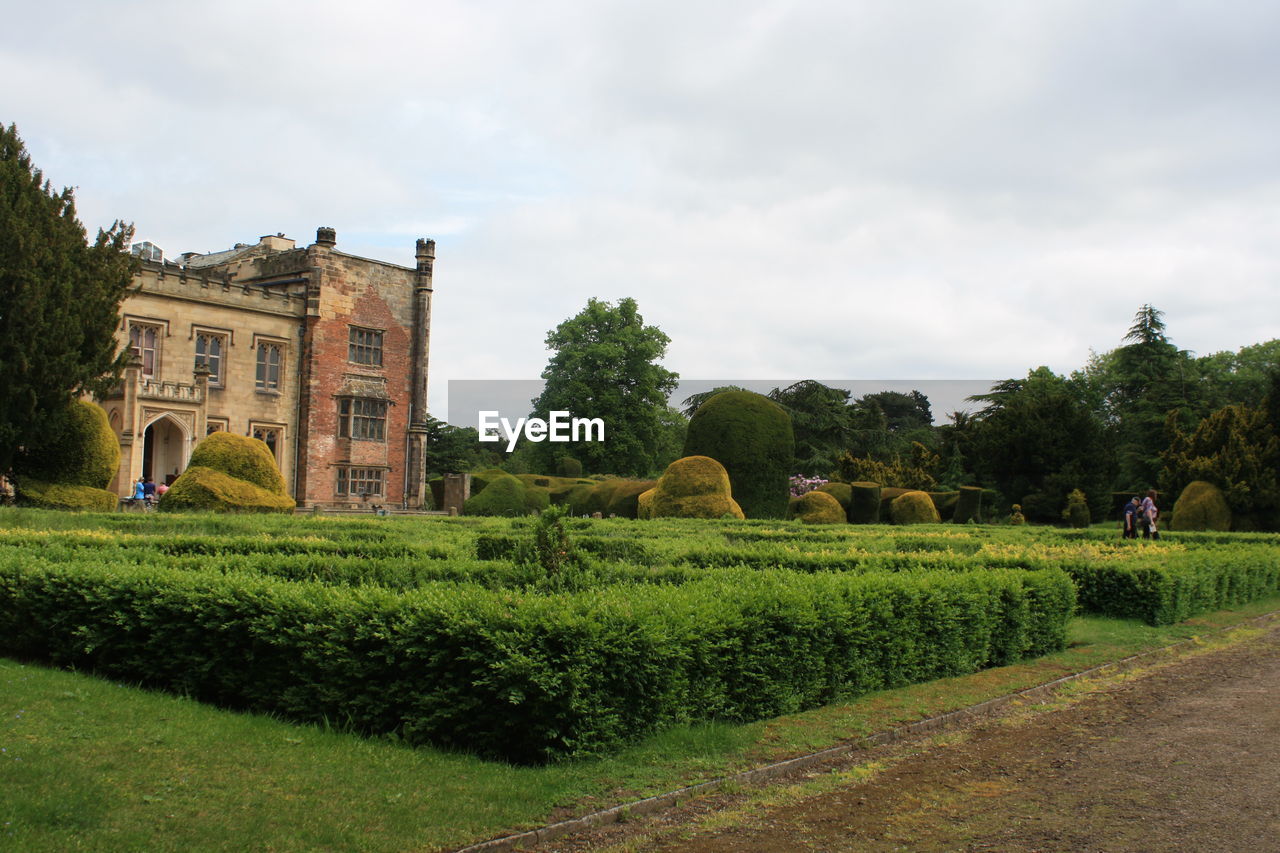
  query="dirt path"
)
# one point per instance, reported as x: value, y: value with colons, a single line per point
x: 1186, y: 757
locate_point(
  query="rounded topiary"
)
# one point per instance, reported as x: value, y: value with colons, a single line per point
x: 63, y: 496
x: 644, y: 503
x: 601, y: 495
x: 817, y: 507
x: 1076, y: 513
x: 502, y: 496
x: 751, y: 436
x: 913, y: 508
x: 480, y: 480
x: 204, y: 489
x: 693, y: 487
x: 968, y: 505
x: 1201, y: 506
x: 567, y: 466
x: 579, y: 498
x: 864, y: 503
x: 889, y: 494
x: 537, y: 498
x: 77, y: 448
x: 839, y: 491
x: 240, y: 456
x: 625, y: 499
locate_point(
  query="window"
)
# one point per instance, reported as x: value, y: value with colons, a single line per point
x: 215, y: 425
x: 268, y: 367
x: 362, y: 417
x: 209, y: 352
x: 361, y: 482
x: 145, y: 343
x: 364, y: 346
x: 270, y: 436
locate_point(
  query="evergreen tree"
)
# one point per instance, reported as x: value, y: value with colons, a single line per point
x: 59, y: 299
x: 820, y: 422
x: 606, y: 366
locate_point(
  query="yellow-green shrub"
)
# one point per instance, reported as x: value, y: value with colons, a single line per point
x: 204, y: 489
x: 751, y: 436
x: 239, y: 456
x: 693, y: 487
x: 63, y: 496
x: 1201, y: 506
x: 817, y: 507
x: 913, y: 508
x: 625, y: 499
x: 504, y: 495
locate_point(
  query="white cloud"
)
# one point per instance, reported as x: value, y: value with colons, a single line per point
x: 789, y: 190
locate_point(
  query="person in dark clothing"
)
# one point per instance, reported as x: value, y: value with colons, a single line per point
x: 1131, y: 511
x: 149, y: 491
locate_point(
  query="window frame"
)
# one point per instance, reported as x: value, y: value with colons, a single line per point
x: 363, y: 418
x: 262, y: 380
x: 365, y: 345
x: 160, y: 331
x: 345, y: 480
x: 217, y: 370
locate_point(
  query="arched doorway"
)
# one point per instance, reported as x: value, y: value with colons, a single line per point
x: 164, y: 449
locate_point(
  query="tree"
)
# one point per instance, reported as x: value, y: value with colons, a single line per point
x: 820, y: 420
x: 451, y: 449
x: 606, y: 366
x: 59, y: 300
x: 1036, y: 440
x: 1147, y: 378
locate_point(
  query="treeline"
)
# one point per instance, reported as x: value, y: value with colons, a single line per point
x: 1145, y: 415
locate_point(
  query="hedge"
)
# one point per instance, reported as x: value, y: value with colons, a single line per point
x: 1179, y: 586
x: 525, y: 678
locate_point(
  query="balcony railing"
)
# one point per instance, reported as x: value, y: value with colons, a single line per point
x: 154, y: 389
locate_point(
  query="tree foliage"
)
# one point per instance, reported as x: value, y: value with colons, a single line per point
x: 605, y: 365
x: 59, y: 299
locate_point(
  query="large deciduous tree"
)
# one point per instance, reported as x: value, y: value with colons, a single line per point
x: 605, y: 365
x: 59, y: 299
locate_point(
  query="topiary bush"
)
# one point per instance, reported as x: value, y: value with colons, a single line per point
x: 913, y: 508
x: 204, y: 489
x: 1201, y: 506
x: 537, y: 498
x: 945, y: 503
x: 503, y: 495
x: 889, y: 494
x: 864, y: 503
x: 63, y: 496
x: 751, y: 436
x: 240, y: 456
x: 1076, y: 513
x: 817, y: 507
x: 625, y: 499
x: 78, y: 448
x: 693, y: 487
x: 968, y: 505
x: 839, y: 491
x: 567, y: 466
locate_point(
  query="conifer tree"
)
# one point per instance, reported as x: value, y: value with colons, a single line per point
x: 59, y: 299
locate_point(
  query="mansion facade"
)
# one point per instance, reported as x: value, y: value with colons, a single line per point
x: 320, y: 354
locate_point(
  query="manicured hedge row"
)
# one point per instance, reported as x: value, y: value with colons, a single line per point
x: 1175, y: 586
x: 500, y: 547
x: 526, y: 678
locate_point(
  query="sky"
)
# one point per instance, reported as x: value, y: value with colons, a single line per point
x: 789, y: 190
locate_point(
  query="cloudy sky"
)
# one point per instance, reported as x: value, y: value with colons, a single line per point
x: 861, y: 190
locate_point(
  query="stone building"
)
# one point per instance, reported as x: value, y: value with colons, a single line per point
x: 321, y: 354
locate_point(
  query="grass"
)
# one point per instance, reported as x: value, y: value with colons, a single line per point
x: 88, y: 764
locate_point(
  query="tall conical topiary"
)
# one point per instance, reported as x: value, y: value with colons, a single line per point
x: 751, y: 436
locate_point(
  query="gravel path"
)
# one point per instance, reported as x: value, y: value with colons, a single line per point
x: 1183, y: 758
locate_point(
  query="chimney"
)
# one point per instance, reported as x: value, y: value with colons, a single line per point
x: 326, y: 236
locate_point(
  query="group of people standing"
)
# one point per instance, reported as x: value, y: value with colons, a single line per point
x: 147, y: 491
x: 1141, y: 515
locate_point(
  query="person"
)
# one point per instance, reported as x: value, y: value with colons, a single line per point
x: 1149, y: 514
x: 1131, y: 510
x: 149, y: 491
x: 161, y: 488
x: 140, y: 490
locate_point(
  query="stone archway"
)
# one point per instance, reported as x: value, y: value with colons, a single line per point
x: 164, y: 449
